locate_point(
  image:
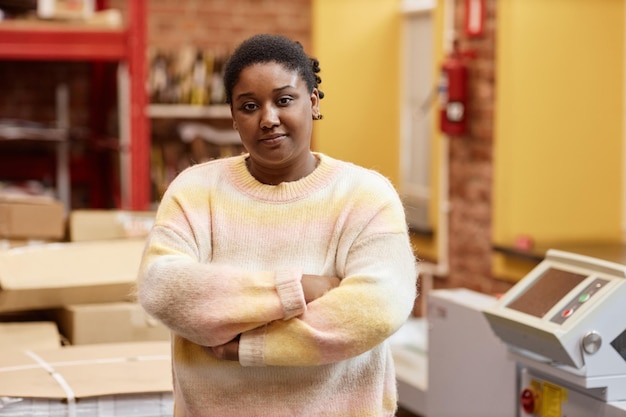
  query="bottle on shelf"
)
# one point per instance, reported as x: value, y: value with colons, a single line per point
x: 199, y: 86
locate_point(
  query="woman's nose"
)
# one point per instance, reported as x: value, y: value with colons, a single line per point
x: 269, y: 117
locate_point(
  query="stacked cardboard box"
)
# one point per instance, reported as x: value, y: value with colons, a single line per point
x: 116, y: 358
x: 87, y: 288
x: 109, y: 380
x: 90, y: 224
x: 27, y: 217
x: 29, y: 335
x: 123, y: 321
x: 59, y: 274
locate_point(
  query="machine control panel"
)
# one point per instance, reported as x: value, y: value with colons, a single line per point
x: 579, y: 299
x: 549, y: 311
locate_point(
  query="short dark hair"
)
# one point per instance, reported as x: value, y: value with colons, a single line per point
x: 263, y: 48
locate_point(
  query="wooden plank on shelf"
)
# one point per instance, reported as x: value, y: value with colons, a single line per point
x: 8, y: 132
x: 188, y: 111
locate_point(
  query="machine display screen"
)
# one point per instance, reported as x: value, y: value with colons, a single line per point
x: 547, y: 290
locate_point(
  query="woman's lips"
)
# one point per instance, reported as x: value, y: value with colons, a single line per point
x: 272, y: 139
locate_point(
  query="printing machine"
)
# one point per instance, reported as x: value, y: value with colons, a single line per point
x: 564, y: 323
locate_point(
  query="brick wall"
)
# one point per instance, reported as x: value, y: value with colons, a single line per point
x: 222, y: 24
x: 471, y: 159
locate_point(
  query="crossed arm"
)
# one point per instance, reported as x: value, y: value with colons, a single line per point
x: 313, y: 286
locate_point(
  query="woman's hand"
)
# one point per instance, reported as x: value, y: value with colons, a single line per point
x: 314, y: 286
x: 228, y: 351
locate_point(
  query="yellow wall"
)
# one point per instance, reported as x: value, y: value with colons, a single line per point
x: 559, y: 120
x: 559, y: 109
x: 358, y: 45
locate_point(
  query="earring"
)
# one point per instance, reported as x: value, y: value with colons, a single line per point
x: 318, y: 117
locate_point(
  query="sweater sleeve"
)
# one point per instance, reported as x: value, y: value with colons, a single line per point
x: 374, y: 299
x: 205, y: 302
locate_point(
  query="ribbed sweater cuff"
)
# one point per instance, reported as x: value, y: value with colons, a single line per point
x: 290, y: 292
x: 251, y: 347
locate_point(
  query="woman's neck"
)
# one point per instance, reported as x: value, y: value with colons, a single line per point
x: 274, y: 176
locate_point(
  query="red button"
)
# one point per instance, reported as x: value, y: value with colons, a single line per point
x: 568, y: 312
x: 527, y: 399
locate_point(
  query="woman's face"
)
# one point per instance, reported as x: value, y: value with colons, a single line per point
x: 273, y: 110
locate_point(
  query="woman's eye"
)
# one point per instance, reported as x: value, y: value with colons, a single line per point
x: 249, y: 107
x: 284, y: 101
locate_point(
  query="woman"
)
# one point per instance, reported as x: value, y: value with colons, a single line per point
x: 280, y: 272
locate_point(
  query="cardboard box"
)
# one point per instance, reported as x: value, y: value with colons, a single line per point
x: 6, y: 244
x: 29, y: 335
x: 87, y: 225
x: 31, y: 217
x: 108, y: 323
x: 88, y: 380
x: 58, y: 274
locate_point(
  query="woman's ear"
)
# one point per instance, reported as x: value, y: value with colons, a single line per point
x: 315, y: 104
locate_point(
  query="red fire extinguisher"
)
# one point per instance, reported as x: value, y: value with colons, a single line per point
x: 453, y: 94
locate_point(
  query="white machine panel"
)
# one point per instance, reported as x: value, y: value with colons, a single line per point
x: 567, y: 319
x: 469, y: 372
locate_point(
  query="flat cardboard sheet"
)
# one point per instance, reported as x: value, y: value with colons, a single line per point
x: 87, y: 371
x: 58, y: 274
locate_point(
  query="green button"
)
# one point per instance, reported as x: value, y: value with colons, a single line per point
x: 583, y: 298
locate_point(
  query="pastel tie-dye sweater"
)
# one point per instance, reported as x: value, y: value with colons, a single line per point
x: 226, y: 257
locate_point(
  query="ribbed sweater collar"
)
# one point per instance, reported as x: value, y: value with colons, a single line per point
x: 285, y: 191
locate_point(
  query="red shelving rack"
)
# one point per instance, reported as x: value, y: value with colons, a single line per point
x: 54, y: 41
